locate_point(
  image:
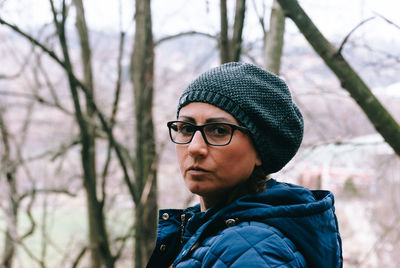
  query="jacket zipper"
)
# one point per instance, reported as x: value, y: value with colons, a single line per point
x: 183, y: 217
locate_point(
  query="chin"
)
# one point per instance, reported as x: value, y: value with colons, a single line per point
x: 196, y: 187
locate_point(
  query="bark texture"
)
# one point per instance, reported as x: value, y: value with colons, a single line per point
x: 274, y: 39
x: 99, y: 245
x: 8, y: 170
x: 382, y: 120
x: 231, y: 47
x: 95, y: 254
x: 224, y: 39
x: 236, y: 43
x: 142, y: 75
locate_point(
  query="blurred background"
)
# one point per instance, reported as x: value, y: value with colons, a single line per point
x: 87, y: 86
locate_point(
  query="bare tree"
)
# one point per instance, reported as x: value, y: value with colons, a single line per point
x: 13, y: 162
x: 98, y: 238
x: 350, y: 80
x: 143, y: 188
x: 142, y: 75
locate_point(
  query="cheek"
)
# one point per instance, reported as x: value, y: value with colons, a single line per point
x: 238, y: 162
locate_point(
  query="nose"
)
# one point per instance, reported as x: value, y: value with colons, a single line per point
x: 198, y: 145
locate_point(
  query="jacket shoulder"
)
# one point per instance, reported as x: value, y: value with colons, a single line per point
x: 251, y: 243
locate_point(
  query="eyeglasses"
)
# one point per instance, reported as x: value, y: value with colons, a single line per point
x: 216, y: 134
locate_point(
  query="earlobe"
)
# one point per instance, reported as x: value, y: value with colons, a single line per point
x: 258, y: 161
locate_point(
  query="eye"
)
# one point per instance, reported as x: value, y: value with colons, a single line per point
x: 185, y: 129
x: 174, y: 127
x: 218, y: 130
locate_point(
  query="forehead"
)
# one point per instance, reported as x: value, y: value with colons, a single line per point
x: 201, y: 112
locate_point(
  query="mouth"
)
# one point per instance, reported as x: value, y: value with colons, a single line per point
x: 196, y: 170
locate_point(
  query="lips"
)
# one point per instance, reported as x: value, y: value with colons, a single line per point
x: 196, y: 170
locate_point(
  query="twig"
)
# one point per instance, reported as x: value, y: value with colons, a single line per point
x: 30, y: 216
x: 36, y: 97
x: 113, y: 113
x: 46, y: 191
x: 79, y: 257
x: 166, y: 38
x: 44, y: 237
x: 387, y: 20
x: 22, y: 69
x: 52, y: 54
x: 124, y: 239
x: 130, y: 183
x: 119, y: 79
x: 49, y: 84
x: 260, y: 18
x: 348, y: 35
x: 149, y: 182
x: 379, y: 241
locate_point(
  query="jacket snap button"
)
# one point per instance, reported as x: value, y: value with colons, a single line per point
x: 165, y: 216
x: 163, y: 247
x: 230, y: 222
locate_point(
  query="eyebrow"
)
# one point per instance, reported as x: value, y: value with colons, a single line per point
x: 208, y: 120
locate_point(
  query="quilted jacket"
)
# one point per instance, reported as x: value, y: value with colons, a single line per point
x: 284, y: 226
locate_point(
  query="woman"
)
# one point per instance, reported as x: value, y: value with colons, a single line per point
x: 235, y: 124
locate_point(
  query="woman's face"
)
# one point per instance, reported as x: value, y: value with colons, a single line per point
x: 208, y: 170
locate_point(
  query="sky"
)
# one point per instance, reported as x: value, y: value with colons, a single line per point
x: 332, y: 16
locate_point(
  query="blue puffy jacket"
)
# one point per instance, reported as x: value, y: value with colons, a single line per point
x: 284, y: 226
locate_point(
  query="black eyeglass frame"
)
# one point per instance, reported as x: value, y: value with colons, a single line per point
x: 201, y: 129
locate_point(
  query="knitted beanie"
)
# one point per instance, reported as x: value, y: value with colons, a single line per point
x: 260, y: 101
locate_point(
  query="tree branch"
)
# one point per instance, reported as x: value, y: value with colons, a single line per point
x: 387, y: 20
x: 36, y: 97
x: 259, y: 16
x: 167, y: 38
x: 103, y: 121
x: 46, y: 191
x: 52, y: 54
x: 22, y: 68
x: 124, y: 239
x: 381, y: 119
x: 79, y: 257
x: 379, y: 241
x: 352, y: 31
x: 32, y: 228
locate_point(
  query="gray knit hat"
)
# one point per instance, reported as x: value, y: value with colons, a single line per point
x: 260, y: 101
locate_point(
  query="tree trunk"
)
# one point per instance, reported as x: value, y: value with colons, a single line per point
x: 383, y: 122
x: 274, y: 39
x: 94, y: 223
x: 236, y: 43
x: 231, y: 48
x: 142, y: 69
x: 12, y: 205
x: 96, y: 216
x: 224, y: 47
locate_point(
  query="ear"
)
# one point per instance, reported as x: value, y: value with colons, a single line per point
x: 258, y: 161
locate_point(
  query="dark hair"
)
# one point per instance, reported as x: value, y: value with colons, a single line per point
x: 256, y: 183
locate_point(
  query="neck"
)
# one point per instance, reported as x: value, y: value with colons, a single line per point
x: 207, y: 202
x: 223, y: 198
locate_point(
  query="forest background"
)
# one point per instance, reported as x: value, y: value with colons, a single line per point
x: 86, y: 89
